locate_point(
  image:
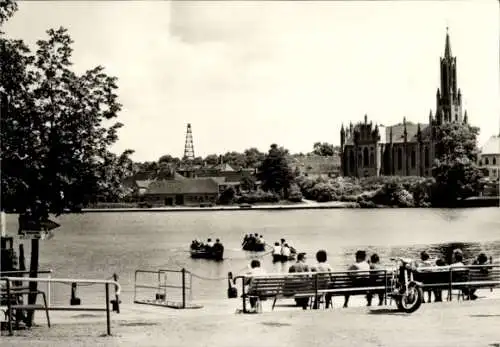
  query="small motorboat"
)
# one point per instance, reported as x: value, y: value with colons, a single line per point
x: 253, y: 243
x: 201, y: 251
x: 254, y: 247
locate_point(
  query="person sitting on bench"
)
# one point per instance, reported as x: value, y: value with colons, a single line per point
x: 360, y: 264
x: 255, y: 270
x: 300, y: 266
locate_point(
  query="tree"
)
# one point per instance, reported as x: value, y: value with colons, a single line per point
x: 169, y: 159
x: 7, y: 9
x: 455, y: 170
x: 55, y: 135
x: 253, y: 157
x: 235, y: 159
x: 227, y: 196
x: 324, y: 149
x: 275, y: 172
x: 247, y: 182
x: 212, y: 159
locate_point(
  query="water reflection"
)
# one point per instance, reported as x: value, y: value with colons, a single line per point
x: 440, y: 250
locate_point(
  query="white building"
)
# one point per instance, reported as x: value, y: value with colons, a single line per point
x: 489, y: 157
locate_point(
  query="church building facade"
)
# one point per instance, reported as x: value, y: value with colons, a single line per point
x: 404, y: 149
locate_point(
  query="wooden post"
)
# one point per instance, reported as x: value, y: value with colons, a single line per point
x: 183, y: 288
x: 9, y: 309
x: 117, y: 298
x: 108, y: 318
x: 33, y: 286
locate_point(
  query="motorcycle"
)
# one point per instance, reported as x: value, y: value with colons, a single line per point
x: 406, y: 292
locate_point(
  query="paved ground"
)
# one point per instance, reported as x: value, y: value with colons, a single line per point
x: 464, y: 323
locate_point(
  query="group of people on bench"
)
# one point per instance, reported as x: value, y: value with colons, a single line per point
x: 322, y: 266
x: 362, y: 264
x: 457, y: 260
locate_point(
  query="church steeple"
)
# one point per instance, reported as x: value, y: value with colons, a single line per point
x: 449, y: 99
x: 447, y: 45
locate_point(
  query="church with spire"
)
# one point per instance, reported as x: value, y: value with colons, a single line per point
x: 407, y: 148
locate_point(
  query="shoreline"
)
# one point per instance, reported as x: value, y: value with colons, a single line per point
x: 482, y: 202
x: 300, y: 206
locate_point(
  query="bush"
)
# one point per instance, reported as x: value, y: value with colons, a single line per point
x: 227, y: 196
x: 295, y: 195
x: 258, y: 196
x: 380, y: 190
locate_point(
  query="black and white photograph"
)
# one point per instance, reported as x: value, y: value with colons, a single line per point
x: 266, y: 173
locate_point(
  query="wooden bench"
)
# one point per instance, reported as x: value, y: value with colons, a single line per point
x: 463, y: 278
x: 316, y: 285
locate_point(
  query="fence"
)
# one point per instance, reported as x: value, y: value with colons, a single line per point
x: 164, y: 287
x: 48, y: 273
x: 10, y: 291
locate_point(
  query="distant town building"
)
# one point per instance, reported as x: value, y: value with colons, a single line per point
x: 489, y: 157
x: 316, y: 166
x: 404, y: 149
x: 187, y: 192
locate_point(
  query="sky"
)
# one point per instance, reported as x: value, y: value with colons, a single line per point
x: 249, y: 74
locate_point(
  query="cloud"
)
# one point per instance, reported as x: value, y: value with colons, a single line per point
x: 249, y: 74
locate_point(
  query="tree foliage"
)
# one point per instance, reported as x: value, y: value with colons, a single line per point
x: 324, y: 149
x: 455, y: 170
x: 7, y: 9
x: 275, y: 172
x: 56, y: 128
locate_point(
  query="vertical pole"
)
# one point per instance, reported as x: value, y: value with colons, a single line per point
x: 108, y: 318
x: 33, y: 286
x: 386, y: 288
x: 115, y: 278
x: 9, y: 309
x: 450, y: 288
x: 48, y: 289
x: 135, y: 286
x: 183, y: 288
x: 243, y: 294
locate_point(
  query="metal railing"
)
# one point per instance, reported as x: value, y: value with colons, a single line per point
x: 9, y: 281
x: 18, y: 273
x: 162, y: 285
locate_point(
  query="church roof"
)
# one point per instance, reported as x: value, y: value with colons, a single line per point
x: 492, y: 146
x: 411, y: 130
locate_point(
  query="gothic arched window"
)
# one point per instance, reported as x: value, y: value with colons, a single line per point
x: 413, y: 158
x: 351, y: 160
x: 494, y: 161
x: 426, y: 157
x: 365, y: 157
x: 372, y: 159
x: 400, y: 158
x: 486, y: 161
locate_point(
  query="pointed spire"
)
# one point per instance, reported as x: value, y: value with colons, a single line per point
x: 366, y: 118
x: 447, y: 46
x: 419, y: 133
x: 466, y: 119
x: 405, y: 133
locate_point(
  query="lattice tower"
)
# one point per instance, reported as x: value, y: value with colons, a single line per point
x: 189, y: 147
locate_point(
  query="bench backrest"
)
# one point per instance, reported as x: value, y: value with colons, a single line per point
x: 310, y: 282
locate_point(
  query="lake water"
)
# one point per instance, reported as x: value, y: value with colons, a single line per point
x: 95, y: 245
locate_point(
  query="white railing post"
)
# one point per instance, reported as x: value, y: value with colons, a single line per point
x: 49, y: 285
